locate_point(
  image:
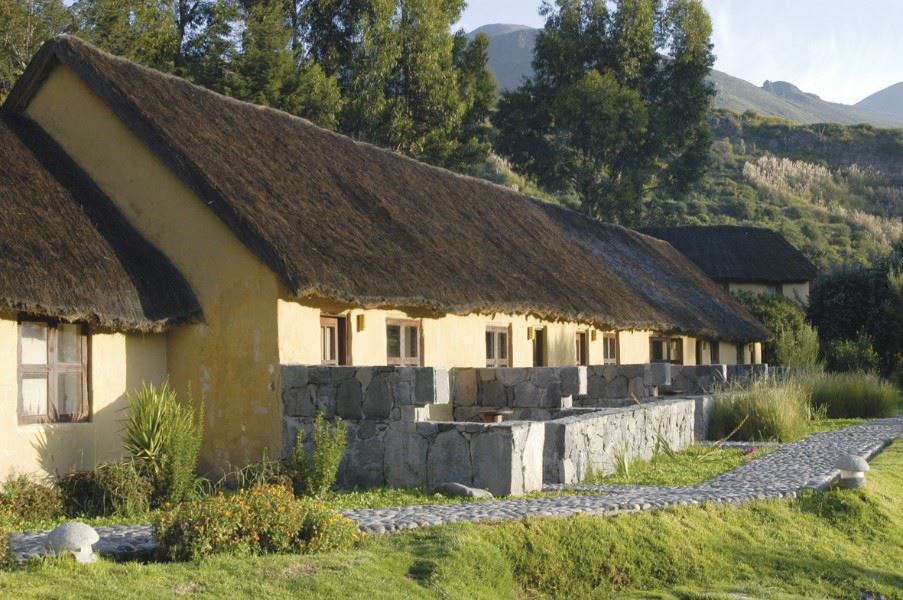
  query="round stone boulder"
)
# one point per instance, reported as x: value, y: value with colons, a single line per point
x: 74, y: 538
x: 852, y: 470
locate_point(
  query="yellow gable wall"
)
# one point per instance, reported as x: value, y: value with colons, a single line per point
x: 119, y: 363
x: 231, y: 361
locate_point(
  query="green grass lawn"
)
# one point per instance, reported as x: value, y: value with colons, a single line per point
x: 687, y: 467
x: 829, y: 545
x: 825, y: 425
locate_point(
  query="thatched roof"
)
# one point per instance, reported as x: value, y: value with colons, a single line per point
x: 65, y: 252
x: 671, y: 286
x: 349, y: 221
x: 727, y: 253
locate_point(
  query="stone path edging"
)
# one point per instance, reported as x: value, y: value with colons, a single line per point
x: 784, y: 473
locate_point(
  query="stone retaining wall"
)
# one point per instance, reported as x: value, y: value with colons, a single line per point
x: 400, y: 431
x: 531, y: 393
x: 577, y: 443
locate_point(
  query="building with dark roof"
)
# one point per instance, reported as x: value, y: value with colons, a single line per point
x: 744, y: 258
x: 253, y: 239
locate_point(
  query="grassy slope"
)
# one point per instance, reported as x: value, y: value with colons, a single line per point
x: 829, y: 545
x: 845, y: 225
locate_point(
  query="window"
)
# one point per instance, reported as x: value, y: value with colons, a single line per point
x: 53, y: 372
x: 666, y: 349
x: 333, y: 337
x: 403, y: 342
x: 715, y: 352
x: 610, y: 348
x: 497, y: 346
x: 539, y: 347
x: 582, y: 351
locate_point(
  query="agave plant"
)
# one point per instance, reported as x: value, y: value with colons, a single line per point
x: 164, y: 436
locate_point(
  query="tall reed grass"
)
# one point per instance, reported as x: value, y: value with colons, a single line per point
x: 763, y: 410
x: 854, y: 395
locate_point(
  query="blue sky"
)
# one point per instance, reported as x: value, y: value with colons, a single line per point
x: 842, y: 50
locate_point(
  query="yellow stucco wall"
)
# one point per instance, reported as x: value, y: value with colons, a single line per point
x: 231, y: 361
x: 119, y: 365
x: 447, y: 341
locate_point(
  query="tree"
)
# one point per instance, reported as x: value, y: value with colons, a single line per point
x: 144, y: 31
x: 407, y: 82
x: 24, y: 26
x: 266, y: 70
x: 616, y: 106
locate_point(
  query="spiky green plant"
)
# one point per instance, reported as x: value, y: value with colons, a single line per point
x: 164, y: 435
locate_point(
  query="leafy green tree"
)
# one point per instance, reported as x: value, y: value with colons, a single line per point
x: 407, y: 82
x: 266, y: 70
x: 24, y: 26
x: 617, y: 103
x: 141, y: 30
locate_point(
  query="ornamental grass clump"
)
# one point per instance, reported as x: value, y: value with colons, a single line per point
x: 854, y: 395
x: 266, y: 519
x: 164, y: 436
x: 761, y: 411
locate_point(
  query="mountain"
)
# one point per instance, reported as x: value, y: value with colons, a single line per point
x: 511, y: 55
x: 510, y: 52
x: 888, y: 101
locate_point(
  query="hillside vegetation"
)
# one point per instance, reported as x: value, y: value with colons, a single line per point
x: 833, y: 191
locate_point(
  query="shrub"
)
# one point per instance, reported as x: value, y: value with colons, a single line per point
x: 24, y: 499
x: 797, y: 349
x: 854, y: 395
x: 314, y: 473
x: 114, y: 489
x: 778, y: 314
x: 844, y: 356
x: 262, y: 520
x: 165, y: 436
x: 763, y: 410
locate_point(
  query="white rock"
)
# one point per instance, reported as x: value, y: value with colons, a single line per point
x: 75, y: 538
x: 459, y: 489
x: 851, y: 462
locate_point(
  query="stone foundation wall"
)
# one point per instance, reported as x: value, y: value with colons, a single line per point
x: 400, y: 431
x: 577, y: 443
x: 530, y: 393
x: 689, y: 380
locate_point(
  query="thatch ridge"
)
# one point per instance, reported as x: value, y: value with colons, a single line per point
x: 66, y: 251
x: 343, y: 219
x: 739, y: 253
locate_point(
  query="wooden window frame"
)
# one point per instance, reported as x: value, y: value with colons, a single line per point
x: 496, y: 362
x: 404, y: 360
x: 52, y: 370
x: 340, y: 339
x: 581, y: 340
x: 606, y: 359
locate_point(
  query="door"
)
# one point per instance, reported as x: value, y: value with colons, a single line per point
x: 539, y: 347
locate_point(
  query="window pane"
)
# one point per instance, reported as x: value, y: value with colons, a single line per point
x: 490, y: 349
x: 393, y: 341
x: 327, y: 343
x: 69, y: 344
x: 34, y: 395
x: 503, y: 345
x: 34, y: 344
x: 412, y: 341
x: 69, y: 393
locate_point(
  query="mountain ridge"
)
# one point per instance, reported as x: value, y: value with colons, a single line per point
x: 511, y: 56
